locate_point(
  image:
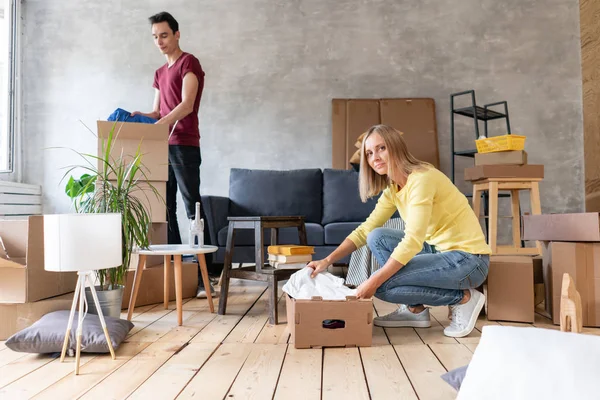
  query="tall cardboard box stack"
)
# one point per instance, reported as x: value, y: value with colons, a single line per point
x: 153, y: 143
x: 27, y: 290
x: 571, y: 244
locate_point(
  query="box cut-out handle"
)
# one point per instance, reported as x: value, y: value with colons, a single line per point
x: 318, y: 298
x: 334, y: 324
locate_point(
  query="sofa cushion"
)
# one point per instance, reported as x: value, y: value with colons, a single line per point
x: 336, y: 232
x: 245, y: 237
x: 341, y: 200
x: 276, y: 193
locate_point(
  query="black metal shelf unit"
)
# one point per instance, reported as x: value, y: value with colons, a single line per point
x: 477, y: 113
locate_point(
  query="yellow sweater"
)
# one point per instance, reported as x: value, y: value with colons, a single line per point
x: 433, y: 210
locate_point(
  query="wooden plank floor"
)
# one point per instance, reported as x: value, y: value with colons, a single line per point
x: 240, y: 355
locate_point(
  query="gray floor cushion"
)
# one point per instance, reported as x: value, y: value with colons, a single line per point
x: 455, y: 377
x: 47, y: 335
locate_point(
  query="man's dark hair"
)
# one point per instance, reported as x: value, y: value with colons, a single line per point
x: 165, y: 17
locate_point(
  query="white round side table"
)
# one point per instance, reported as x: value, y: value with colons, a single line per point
x: 168, y: 250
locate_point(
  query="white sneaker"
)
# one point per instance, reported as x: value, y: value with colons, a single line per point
x: 201, y: 293
x: 403, y: 317
x: 464, y: 316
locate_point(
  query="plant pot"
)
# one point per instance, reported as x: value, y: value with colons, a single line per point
x: 110, y: 301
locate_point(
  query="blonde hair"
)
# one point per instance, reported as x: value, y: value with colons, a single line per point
x: 400, y: 161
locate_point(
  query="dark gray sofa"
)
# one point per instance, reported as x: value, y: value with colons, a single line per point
x: 328, y: 200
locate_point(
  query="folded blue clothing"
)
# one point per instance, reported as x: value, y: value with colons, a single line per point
x: 125, y: 116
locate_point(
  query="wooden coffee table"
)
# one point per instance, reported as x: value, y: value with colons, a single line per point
x: 259, y: 272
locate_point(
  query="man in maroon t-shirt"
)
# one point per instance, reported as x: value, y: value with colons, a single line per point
x: 178, y: 88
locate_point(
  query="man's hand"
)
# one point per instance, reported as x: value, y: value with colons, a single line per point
x: 367, y: 289
x: 136, y: 113
x: 318, y: 266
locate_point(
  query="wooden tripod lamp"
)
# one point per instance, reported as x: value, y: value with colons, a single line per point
x: 82, y: 243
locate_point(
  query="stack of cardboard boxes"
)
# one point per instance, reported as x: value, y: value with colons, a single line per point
x: 511, y: 280
x: 27, y: 291
x: 503, y: 164
x: 571, y: 244
x: 152, y: 142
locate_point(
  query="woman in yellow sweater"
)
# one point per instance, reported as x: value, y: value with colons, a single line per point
x: 442, y: 254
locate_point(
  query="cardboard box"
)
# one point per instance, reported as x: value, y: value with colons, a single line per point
x: 415, y: 117
x: 515, y: 157
x: 158, y: 235
x: 152, y: 140
x: 504, y: 171
x: 156, y: 206
x: 159, y: 232
x: 306, y: 319
x: 151, y: 289
x: 510, y: 289
x: 577, y: 227
x: 16, y: 317
x: 22, y: 275
x: 582, y: 262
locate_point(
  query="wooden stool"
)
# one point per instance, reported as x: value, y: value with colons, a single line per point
x: 493, y: 185
x: 259, y: 272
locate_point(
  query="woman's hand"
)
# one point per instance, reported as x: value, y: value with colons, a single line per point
x: 367, y: 289
x: 318, y: 266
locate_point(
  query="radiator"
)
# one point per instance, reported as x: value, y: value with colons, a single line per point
x: 18, y: 200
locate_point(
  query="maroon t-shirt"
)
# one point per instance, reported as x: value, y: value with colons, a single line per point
x: 169, y: 80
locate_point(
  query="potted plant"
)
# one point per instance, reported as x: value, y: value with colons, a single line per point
x: 112, y: 184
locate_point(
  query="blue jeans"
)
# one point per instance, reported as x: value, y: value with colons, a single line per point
x: 431, y: 277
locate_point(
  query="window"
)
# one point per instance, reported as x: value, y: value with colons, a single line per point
x: 8, y: 37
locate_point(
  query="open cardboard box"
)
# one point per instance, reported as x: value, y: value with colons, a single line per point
x: 22, y: 275
x: 306, y: 321
x: 151, y: 139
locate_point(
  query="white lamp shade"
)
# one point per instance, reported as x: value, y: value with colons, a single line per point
x: 82, y: 242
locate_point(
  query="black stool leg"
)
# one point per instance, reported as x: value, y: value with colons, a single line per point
x: 273, y: 317
x: 227, y: 265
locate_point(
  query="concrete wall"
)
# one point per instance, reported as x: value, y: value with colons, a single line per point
x: 272, y: 68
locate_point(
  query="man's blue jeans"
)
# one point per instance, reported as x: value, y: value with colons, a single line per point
x: 431, y: 277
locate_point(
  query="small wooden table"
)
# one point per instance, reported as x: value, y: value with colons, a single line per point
x: 175, y: 250
x: 260, y: 272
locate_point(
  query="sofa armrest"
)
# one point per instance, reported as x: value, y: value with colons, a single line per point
x: 216, y: 209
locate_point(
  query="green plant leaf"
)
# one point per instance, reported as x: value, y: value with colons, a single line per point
x: 112, y: 184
